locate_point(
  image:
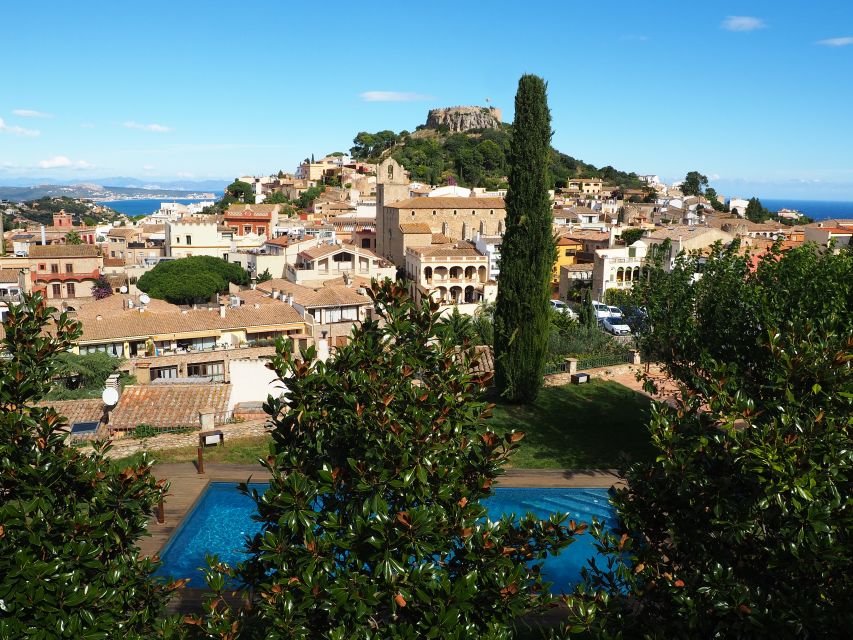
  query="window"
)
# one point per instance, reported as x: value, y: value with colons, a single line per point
x: 54, y: 268
x: 69, y: 267
x: 112, y: 254
x: 632, y: 252
x: 413, y: 214
x: 164, y: 372
x: 189, y: 239
x: 42, y: 267
x: 71, y: 290
x: 262, y: 230
x: 365, y: 243
x: 454, y: 212
x: 57, y: 291
x: 568, y: 252
x: 214, y: 370
x: 247, y: 228
x: 433, y: 212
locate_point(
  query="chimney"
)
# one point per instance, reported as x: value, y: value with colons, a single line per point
x: 274, y: 293
x: 222, y: 311
x: 43, y: 236
x: 290, y: 299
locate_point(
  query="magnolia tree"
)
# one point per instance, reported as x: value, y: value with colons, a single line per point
x: 69, y: 520
x: 373, y: 523
x: 742, y: 527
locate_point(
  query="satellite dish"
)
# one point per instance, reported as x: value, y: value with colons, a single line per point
x: 123, y: 289
x: 109, y: 396
x: 144, y: 299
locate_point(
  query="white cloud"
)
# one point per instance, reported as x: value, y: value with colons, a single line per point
x: 31, y: 113
x: 837, y: 42
x: 17, y: 131
x: 55, y: 162
x: 63, y: 162
x: 87, y: 125
x: 392, y: 96
x: 148, y: 167
x: 156, y: 128
x: 742, y: 23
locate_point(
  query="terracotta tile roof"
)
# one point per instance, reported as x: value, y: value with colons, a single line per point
x: 323, y: 250
x: 583, y: 234
x: 122, y: 232
x: 64, y: 251
x: 89, y: 410
x: 113, y: 262
x: 153, y: 228
x: 415, y: 227
x: 440, y: 202
x: 330, y: 297
x: 440, y: 238
x: 578, y: 267
x: 565, y: 241
x: 251, y: 210
x: 332, y: 293
x: 444, y: 250
x: 133, y: 324
x: 167, y: 405
x: 485, y: 360
x: 9, y: 275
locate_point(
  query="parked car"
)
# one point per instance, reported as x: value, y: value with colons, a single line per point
x: 616, y: 327
x: 602, y: 311
x: 635, y: 317
x: 562, y: 307
x: 615, y: 312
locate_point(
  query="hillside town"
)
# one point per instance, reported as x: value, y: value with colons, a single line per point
x: 372, y: 348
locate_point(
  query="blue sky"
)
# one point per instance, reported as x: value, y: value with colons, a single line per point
x: 756, y: 95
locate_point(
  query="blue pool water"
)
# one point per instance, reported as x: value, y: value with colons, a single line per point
x: 222, y: 519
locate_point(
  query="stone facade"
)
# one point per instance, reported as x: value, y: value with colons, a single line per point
x: 401, y: 223
x: 460, y: 119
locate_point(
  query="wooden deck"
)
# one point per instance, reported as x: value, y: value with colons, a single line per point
x: 187, y: 486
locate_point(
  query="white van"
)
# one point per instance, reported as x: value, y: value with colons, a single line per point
x: 602, y: 311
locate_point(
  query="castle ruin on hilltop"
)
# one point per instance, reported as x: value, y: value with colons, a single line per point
x: 461, y: 119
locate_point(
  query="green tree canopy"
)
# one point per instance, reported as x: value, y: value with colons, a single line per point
x: 694, y: 184
x: 190, y: 280
x: 373, y: 523
x: 239, y: 191
x: 756, y: 212
x: 73, y: 237
x: 528, y: 251
x: 741, y: 527
x: 70, y: 520
x: 264, y: 276
x: 630, y: 236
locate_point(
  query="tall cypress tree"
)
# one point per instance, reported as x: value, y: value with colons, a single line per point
x: 527, y: 251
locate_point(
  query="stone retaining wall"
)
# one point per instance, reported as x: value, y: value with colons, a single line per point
x: 127, y: 446
x: 602, y: 373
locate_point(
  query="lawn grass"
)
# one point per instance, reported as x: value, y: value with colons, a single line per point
x: 235, y: 451
x: 587, y: 426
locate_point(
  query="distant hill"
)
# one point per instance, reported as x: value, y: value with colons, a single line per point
x: 435, y: 154
x: 96, y: 192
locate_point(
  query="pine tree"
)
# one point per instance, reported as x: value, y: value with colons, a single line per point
x: 527, y: 251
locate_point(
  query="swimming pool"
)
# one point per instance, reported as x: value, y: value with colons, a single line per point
x: 222, y: 518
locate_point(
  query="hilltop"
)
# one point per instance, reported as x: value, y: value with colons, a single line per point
x: 448, y: 149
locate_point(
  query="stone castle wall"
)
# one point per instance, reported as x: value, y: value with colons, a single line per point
x: 460, y: 119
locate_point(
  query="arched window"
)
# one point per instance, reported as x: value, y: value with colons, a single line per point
x: 433, y: 212
x: 390, y: 171
x: 454, y: 212
x: 491, y: 212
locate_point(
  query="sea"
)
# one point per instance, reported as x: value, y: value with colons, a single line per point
x: 817, y: 209
x: 135, y: 208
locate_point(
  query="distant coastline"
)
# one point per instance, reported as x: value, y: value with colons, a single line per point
x: 817, y: 209
x: 145, y: 206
